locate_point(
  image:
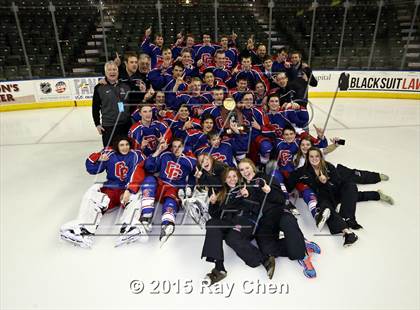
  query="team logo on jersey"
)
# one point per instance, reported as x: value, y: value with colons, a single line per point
x: 284, y: 157
x: 219, y: 121
x: 121, y: 170
x: 228, y: 62
x: 277, y: 130
x: 218, y: 156
x: 207, y: 59
x: 151, y: 141
x: 173, y: 170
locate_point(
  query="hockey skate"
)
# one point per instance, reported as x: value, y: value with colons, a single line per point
x: 166, y: 232
x: 131, y: 234
x: 147, y: 223
x: 197, y: 207
x: 81, y: 238
x: 321, y: 218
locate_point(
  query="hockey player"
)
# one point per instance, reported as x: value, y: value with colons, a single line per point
x: 182, y: 122
x: 186, y: 59
x: 277, y: 118
x: 227, y: 150
x: 241, y: 87
x: 118, y: 162
x: 153, y: 50
x: 165, y: 63
x: 147, y: 133
x: 218, y: 68
x: 210, y: 83
x: 170, y: 84
x: 175, y: 170
x: 258, y: 122
x: 289, y: 146
x: 181, y: 45
x: 231, y: 53
x: 195, y: 99
x: 204, y: 51
x: 245, y: 70
x: 198, y: 139
x: 260, y: 95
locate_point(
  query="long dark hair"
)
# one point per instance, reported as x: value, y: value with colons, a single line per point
x: 299, y: 153
x: 221, y: 196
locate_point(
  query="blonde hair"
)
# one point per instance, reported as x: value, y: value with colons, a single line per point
x: 250, y: 162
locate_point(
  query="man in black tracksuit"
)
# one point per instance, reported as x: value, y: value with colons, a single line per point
x: 110, y: 114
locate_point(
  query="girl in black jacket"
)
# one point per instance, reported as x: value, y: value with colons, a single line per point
x: 275, y: 216
x: 330, y: 189
x: 233, y: 220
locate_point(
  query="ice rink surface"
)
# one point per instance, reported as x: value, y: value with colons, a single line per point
x: 43, y: 179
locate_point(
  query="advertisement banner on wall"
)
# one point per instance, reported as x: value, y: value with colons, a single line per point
x: 16, y: 92
x: 83, y: 87
x: 53, y: 90
x: 367, y: 81
x: 16, y: 95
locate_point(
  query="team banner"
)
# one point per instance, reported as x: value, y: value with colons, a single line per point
x: 59, y: 92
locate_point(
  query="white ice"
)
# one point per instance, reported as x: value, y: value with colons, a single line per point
x: 43, y: 178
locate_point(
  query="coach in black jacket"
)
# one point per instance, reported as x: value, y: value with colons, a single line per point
x: 109, y: 102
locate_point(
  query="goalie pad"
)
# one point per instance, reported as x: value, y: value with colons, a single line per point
x: 197, y: 207
x: 94, y: 204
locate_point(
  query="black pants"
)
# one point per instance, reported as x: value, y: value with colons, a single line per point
x: 218, y: 230
x: 267, y: 236
x: 348, y: 196
x: 108, y: 134
x: 358, y: 176
x: 368, y: 195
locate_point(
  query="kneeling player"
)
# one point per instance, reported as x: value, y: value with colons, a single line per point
x: 119, y: 163
x: 175, y: 170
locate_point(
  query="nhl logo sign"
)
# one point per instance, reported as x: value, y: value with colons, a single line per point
x: 45, y: 87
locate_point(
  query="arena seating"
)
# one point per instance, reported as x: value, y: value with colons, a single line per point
x: 79, y: 20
